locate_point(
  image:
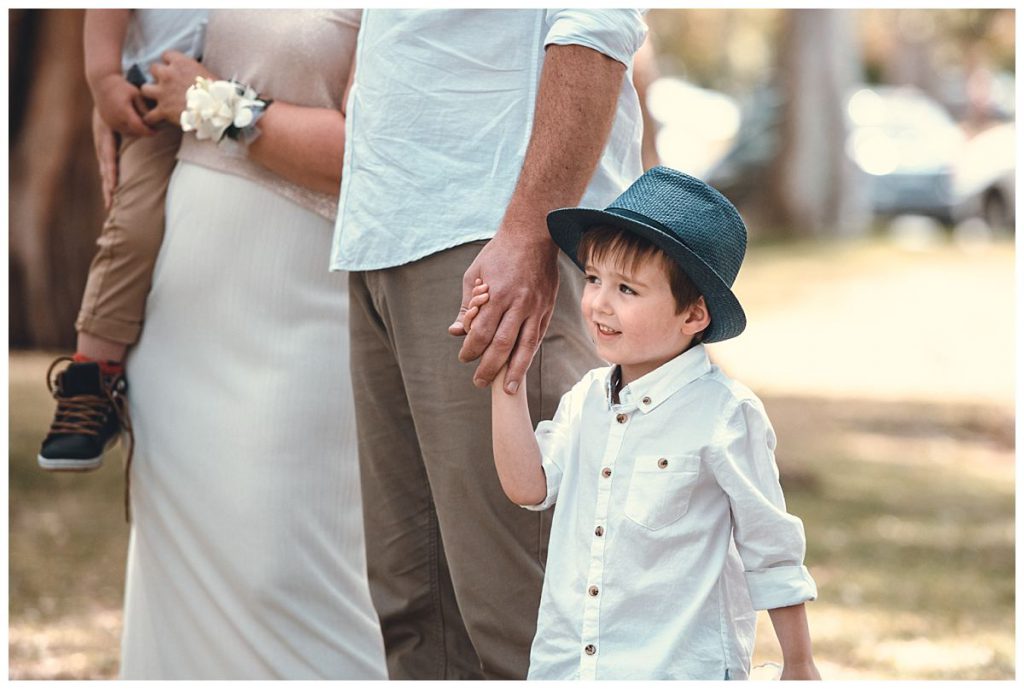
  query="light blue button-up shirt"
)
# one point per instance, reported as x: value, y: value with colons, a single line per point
x: 439, y: 118
x: 670, y: 528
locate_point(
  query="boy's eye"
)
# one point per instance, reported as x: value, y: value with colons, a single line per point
x: 626, y: 289
x: 591, y: 279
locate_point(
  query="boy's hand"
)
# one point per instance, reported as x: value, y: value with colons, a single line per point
x: 803, y: 670
x: 464, y: 322
x: 121, y: 105
x: 105, y: 141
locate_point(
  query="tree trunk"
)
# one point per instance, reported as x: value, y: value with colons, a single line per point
x: 812, y: 188
x: 55, y: 203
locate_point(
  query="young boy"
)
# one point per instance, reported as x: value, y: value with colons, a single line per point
x: 670, y: 527
x: 120, y: 46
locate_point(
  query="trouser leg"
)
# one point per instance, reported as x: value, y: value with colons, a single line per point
x: 495, y: 550
x: 409, y: 580
x: 122, y: 269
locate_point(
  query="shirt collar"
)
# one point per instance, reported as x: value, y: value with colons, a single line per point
x: 647, y: 392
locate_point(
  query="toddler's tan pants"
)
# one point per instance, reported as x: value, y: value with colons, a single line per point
x: 121, y: 272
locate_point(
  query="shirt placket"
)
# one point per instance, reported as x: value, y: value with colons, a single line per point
x: 590, y: 638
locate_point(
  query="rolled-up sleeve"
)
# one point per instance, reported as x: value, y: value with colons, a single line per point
x: 615, y: 33
x: 555, y: 438
x: 770, y: 541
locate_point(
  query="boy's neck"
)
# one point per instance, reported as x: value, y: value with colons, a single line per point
x: 622, y: 378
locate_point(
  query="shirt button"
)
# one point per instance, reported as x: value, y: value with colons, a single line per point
x: 590, y: 649
x: 599, y: 531
x: 621, y: 418
x: 646, y: 400
x: 662, y: 463
x: 593, y: 591
x: 606, y: 472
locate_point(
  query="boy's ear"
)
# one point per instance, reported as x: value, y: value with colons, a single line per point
x: 697, y: 317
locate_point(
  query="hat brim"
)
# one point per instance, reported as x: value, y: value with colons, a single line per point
x: 567, y: 226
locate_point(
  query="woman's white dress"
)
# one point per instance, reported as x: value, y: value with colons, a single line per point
x: 246, y: 558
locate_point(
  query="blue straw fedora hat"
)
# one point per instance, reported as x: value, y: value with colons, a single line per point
x: 688, y: 220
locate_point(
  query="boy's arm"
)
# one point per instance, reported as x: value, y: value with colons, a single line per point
x: 791, y: 629
x: 118, y: 102
x: 516, y: 452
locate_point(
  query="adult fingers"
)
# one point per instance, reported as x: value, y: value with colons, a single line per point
x: 158, y: 70
x: 528, y: 343
x: 172, y: 56
x: 485, y: 326
x: 497, y: 351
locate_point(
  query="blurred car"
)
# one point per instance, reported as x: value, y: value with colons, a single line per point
x: 907, y: 145
x: 913, y: 156
x: 985, y: 177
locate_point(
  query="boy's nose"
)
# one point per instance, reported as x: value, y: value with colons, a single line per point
x: 601, y: 303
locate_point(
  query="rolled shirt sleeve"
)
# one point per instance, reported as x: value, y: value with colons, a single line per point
x: 556, y: 438
x: 770, y: 541
x: 615, y: 33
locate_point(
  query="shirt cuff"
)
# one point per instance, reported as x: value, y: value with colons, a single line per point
x: 615, y: 33
x: 779, y: 587
x: 552, y: 488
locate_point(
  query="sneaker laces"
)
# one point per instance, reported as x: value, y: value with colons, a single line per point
x: 85, y: 414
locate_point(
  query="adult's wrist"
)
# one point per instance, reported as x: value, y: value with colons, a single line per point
x: 218, y: 109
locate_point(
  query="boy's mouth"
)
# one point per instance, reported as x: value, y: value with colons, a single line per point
x: 605, y: 330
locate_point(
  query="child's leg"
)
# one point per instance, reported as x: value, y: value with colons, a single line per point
x: 111, y: 315
x: 89, y: 391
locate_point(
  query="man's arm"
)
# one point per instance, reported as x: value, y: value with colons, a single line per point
x: 576, y: 103
x: 791, y: 628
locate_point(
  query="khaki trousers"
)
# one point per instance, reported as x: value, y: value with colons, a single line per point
x: 455, y: 568
x: 122, y: 270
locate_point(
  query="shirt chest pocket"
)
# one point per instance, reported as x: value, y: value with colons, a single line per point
x: 660, y: 489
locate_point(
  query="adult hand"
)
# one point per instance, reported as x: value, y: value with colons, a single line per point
x: 522, y: 275
x: 120, y: 105
x: 173, y: 77
x: 105, y: 141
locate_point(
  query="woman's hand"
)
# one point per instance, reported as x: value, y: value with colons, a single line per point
x: 105, y: 141
x: 173, y: 78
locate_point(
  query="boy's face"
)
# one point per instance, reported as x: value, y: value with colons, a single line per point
x: 632, y: 317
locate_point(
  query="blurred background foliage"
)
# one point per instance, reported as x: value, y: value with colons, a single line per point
x: 873, y: 154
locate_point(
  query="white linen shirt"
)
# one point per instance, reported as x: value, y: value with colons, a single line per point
x: 670, y: 528
x: 439, y: 117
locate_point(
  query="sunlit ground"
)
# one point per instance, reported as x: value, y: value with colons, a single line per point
x: 888, y: 372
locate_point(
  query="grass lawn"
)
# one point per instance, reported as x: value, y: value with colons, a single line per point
x: 907, y: 500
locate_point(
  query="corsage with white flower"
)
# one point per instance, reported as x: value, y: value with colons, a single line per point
x: 215, y: 109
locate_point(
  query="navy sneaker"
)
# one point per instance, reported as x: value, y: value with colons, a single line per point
x: 90, y: 414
